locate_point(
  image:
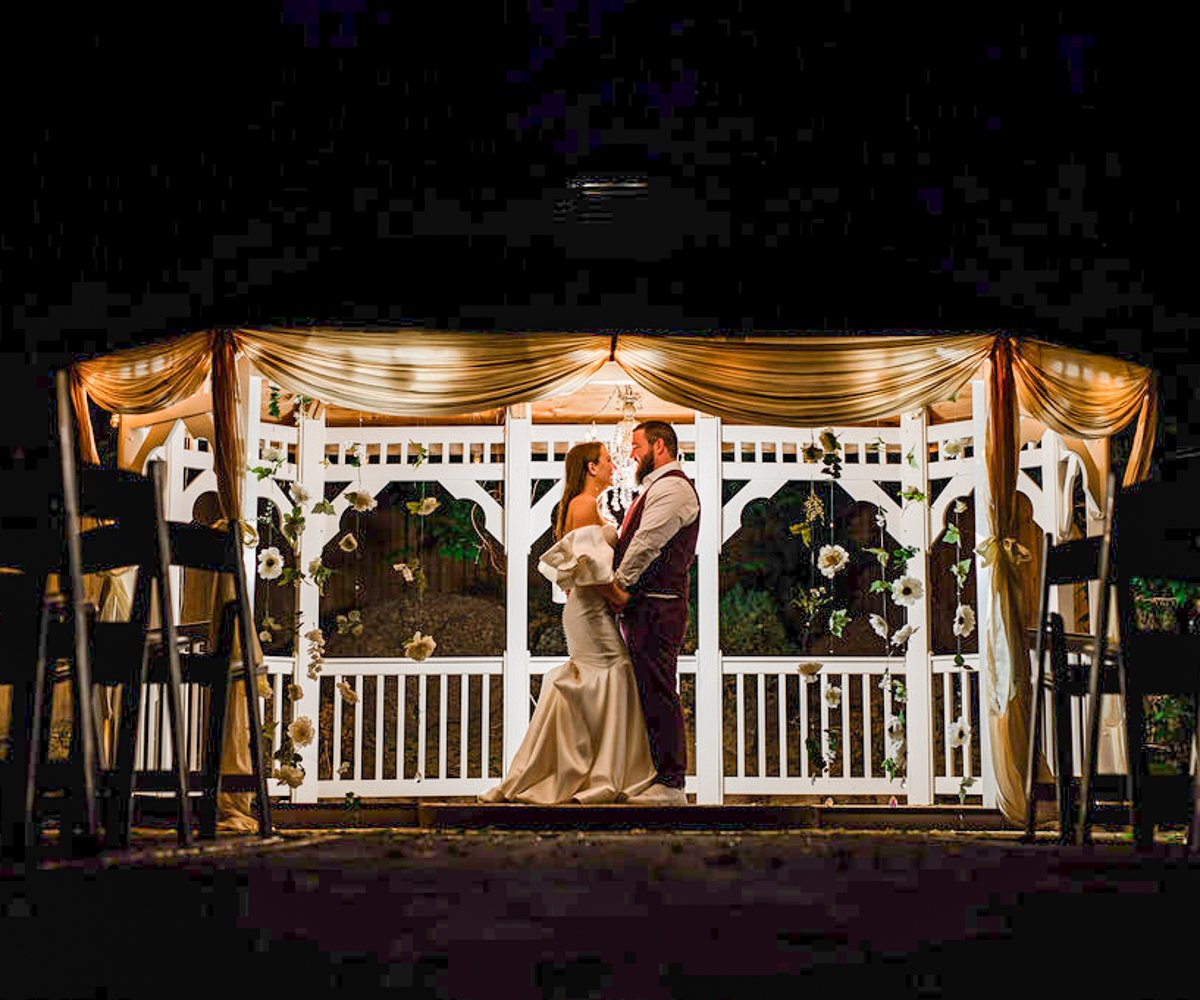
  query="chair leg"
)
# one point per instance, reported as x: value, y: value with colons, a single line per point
x: 1141, y: 817
x: 126, y: 753
x: 215, y: 718
x: 1063, y: 777
x: 38, y: 724
x: 1035, y: 736
x: 256, y: 750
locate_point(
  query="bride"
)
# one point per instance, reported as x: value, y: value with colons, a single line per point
x: 587, y: 740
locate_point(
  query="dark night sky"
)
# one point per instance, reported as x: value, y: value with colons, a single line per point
x: 856, y: 167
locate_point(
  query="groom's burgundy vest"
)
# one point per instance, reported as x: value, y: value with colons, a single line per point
x: 668, y: 573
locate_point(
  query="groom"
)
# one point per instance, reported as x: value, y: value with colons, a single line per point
x: 653, y: 560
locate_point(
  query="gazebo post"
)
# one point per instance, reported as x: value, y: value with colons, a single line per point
x: 710, y: 779
x: 310, y: 452
x: 918, y: 668
x: 518, y: 435
x: 983, y: 583
x: 253, y: 397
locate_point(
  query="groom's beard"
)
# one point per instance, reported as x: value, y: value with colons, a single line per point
x: 644, y: 467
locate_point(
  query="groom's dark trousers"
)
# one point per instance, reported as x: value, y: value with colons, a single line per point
x: 653, y: 631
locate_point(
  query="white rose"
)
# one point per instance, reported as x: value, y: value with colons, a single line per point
x: 964, y: 620
x: 833, y: 696
x: 300, y: 494
x: 270, y: 563
x: 879, y: 625
x: 295, y: 692
x: 272, y: 454
x: 895, y: 729
x: 348, y: 693
x: 953, y: 448
x: 289, y: 775
x: 831, y: 559
x: 420, y: 647
x: 301, y: 731
x: 809, y: 670
x: 361, y: 500
x: 901, y: 635
x: 345, y: 769
x: 960, y: 731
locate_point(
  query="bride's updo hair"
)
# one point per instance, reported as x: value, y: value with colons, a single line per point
x: 574, y: 479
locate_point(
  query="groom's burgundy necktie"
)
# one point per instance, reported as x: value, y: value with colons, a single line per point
x: 629, y: 513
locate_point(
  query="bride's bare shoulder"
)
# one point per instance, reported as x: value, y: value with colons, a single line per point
x: 582, y: 512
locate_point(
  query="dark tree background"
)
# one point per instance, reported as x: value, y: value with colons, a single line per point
x: 838, y: 166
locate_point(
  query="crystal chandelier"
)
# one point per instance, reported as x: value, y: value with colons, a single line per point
x: 624, y: 468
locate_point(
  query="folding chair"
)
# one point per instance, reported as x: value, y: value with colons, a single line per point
x: 193, y: 546
x: 1158, y: 535
x: 30, y: 552
x: 132, y: 532
x: 1076, y: 561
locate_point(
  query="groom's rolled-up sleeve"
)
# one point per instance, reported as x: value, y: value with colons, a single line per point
x: 671, y: 505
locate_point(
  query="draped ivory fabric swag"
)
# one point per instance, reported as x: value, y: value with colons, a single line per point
x: 793, y: 381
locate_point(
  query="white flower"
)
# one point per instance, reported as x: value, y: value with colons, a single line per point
x: 315, y: 636
x: 419, y: 647
x: 301, y: 731
x: 960, y: 506
x: 907, y: 591
x: 350, y: 624
x: 348, y: 543
x: 830, y: 559
x: 960, y: 731
x: 964, y: 620
x: 264, y: 635
x: 300, y: 494
x: 953, y: 448
x: 348, y: 693
x: 272, y: 454
x: 295, y: 692
x: 901, y: 635
x: 895, y: 730
x: 879, y: 625
x: 809, y: 671
x: 314, y: 669
x: 289, y: 775
x: 345, y: 769
x: 315, y: 567
x: 270, y: 563
x: 899, y: 754
x: 361, y: 500
x: 880, y: 519
x: 424, y: 506
x: 404, y: 570
x: 833, y: 696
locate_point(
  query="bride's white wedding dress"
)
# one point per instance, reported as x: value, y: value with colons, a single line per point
x: 587, y: 739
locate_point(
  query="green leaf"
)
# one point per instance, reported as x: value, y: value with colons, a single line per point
x: 273, y: 402
x: 422, y: 453
x: 911, y: 457
x: 958, y: 660
x: 952, y: 536
x: 323, y: 507
x: 960, y: 570
x: 838, y: 622
x: 881, y: 554
x: 912, y: 494
x: 880, y: 586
